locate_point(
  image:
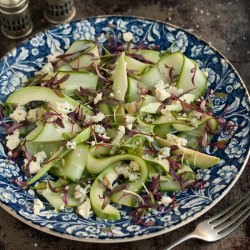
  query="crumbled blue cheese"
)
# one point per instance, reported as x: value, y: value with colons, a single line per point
x: 188, y: 98
x: 32, y: 115
x: 100, y: 130
x: 81, y: 193
x: 194, y: 122
x: 40, y: 156
x: 165, y: 201
x: 127, y: 37
x: 96, y: 118
x: 37, y: 206
x: 98, y: 98
x: 13, y: 140
x: 134, y: 166
x: 129, y: 171
x: 53, y: 58
x: 109, y: 179
x: 129, y: 120
x: 120, y: 134
x: 34, y: 166
x: 46, y: 69
x: 85, y: 209
x: 175, y: 91
x: 148, y: 118
x: 71, y: 145
x: 161, y: 92
x: 64, y: 107
x: 164, y: 153
x: 19, y: 114
x: 176, y: 140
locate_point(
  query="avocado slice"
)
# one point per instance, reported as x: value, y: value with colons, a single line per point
x: 120, y: 83
x: 37, y: 93
x: 96, y: 193
x: 195, y: 158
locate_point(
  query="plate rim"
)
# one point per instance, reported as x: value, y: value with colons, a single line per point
x: 163, y: 231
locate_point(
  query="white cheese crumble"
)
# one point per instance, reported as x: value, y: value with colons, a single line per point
x: 109, y: 179
x: 98, y: 98
x: 71, y: 145
x: 100, y: 130
x: 176, y: 140
x: 127, y: 37
x: 40, y: 156
x: 120, y: 134
x: 129, y: 171
x: 46, y: 69
x: 64, y: 107
x: 165, y: 201
x: 34, y: 166
x: 164, y: 153
x: 85, y: 209
x: 161, y: 92
x: 37, y: 206
x: 81, y: 193
x: 13, y: 140
x: 194, y: 122
x: 148, y: 118
x: 129, y: 120
x: 188, y: 98
x: 96, y: 118
x: 134, y: 166
x: 32, y: 115
x: 52, y: 58
x: 175, y: 91
x: 19, y: 114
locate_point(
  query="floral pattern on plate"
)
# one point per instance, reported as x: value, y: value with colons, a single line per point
x: 23, y: 61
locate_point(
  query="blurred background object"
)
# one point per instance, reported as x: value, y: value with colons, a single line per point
x: 15, y: 18
x: 59, y: 11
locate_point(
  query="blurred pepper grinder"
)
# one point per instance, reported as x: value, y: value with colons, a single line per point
x: 15, y: 18
x: 59, y: 11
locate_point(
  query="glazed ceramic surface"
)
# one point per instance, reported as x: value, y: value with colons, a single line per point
x: 21, y: 63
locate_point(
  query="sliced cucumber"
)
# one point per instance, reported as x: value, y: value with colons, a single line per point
x: 76, y: 80
x: 192, y: 79
x: 152, y: 56
x: 167, y: 69
x: 83, y: 62
x: 97, y: 190
x: 37, y: 93
x: 120, y: 83
x: 132, y: 91
x: 77, y: 48
x: 73, y: 165
x: 195, y: 158
x: 134, y: 65
x: 56, y: 200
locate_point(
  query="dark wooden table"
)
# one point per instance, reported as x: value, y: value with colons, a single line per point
x: 226, y: 25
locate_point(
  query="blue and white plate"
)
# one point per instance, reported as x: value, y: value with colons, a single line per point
x: 30, y: 56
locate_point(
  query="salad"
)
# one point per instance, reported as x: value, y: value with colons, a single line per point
x: 113, y: 123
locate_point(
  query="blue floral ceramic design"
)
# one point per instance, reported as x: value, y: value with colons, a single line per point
x: 23, y: 61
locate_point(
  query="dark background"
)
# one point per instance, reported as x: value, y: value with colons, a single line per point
x: 226, y: 25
